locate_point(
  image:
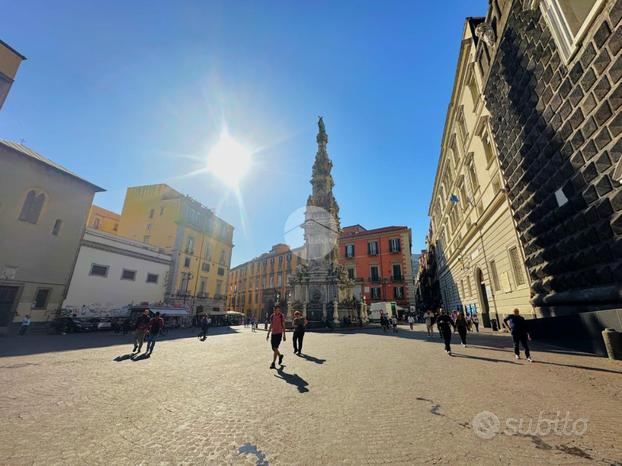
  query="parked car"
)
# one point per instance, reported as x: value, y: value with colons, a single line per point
x: 104, y: 324
x: 73, y: 325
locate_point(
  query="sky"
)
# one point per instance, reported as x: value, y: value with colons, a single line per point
x: 133, y: 93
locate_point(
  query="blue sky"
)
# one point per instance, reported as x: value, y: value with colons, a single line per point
x: 131, y: 93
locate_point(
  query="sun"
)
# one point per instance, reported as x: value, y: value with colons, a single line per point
x: 228, y: 160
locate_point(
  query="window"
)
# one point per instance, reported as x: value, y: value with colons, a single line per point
x: 221, y: 270
x: 398, y: 292
x: 469, y: 289
x: 462, y: 129
x: 375, y: 277
x: 473, y: 178
x: 279, y: 280
x: 148, y: 226
x: 115, y: 227
x: 372, y: 248
x: 271, y: 282
x: 99, y: 270
x: 186, y: 262
x: 56, y: 229
x: 495, y: 276
x: 202, y: 287
x: 41, y: 298
x: 375, y: 293
x: 31, y: 210
x: 349, y: 250
x: 205, y: 267
x: 146, y: 239
x: 462, y: 295
x: 151, y: 212
x: 128, y: 274
x: 190, y: 245
x: 96, y: 223
x: 218, y: 287
x: 517, y: 266
x: 152, y: 278
x: 488, y: 151
x: 351, y: 273
x: 161, y: 211
x: 473, y: 89
x: 394, y: 245
x: 397, y: 272
x: 568, y: 21
x: 496, y: 185
x: 221, y: 261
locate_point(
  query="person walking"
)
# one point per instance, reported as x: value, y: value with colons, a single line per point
x: 429, y: 321
x: 394, y: 324
x: 276, y: 328
x: 445, y: 325
x: 299, y: 331
x: 475, y: 321
x: 142, y: 327
x: 156, y: 325
x: 253, y: 325
x: 23, y: 327
x: 461, y: 326
x: 384, y: 322
x: 518, y: 328
x: 411, y: 321
x: 204, y: 327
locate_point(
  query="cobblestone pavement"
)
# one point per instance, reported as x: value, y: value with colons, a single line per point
x: 356, y: 398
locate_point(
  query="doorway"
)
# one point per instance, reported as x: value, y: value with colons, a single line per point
x: 8, y: 295
x: 483, y: 295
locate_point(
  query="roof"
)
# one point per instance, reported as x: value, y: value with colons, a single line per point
x: 12, y: 50
x: 105, y: 211
x: 28, y: 152
x: 375, y: 231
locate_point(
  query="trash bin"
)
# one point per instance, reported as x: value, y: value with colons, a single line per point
x: 613, y: 343
x: 495, y: 325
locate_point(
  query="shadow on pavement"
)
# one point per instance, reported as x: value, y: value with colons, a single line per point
x: 140, y: 357
x: 293, y: 379
x: 37, y: 344
x: 124, y: 357
x: 312, y: 358
x: 480, y: 358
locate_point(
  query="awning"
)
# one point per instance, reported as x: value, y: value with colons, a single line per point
x: 234, y: 313
x: 172, y: 312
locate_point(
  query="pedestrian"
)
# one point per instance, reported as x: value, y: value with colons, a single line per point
x: 23, y: 327
x: 518, y: 328
x: 253, y: 325
x: 204, y: 328
x: 445, y: 326
x: 429, y: 321
x: 469, y: 323
x: 461, y: 325
x: 475, y: 321
x: 276, y: 327
x: 411, y: 321
x: 384, y: 322
x: 142, y: 327
x: 394, y: 324
x: 156, y: 325
x: 299, y: 331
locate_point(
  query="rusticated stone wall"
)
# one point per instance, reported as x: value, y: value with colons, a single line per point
x: 558, y: 125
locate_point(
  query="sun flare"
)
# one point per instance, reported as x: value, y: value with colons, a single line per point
x: 228, y: 160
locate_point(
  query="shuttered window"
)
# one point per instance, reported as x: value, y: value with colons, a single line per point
x: 517, y: 266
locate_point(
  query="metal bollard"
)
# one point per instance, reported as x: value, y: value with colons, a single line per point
x: 613, y: 343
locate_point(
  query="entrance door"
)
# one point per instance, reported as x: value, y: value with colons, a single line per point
x: 484, y: 298
x: 7, y: 304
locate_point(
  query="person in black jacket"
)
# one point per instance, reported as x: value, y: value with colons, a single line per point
x: 518, y: 328
x: 445, y: 326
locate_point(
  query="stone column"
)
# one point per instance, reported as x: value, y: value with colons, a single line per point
x: 336, y: 312
x: 324, y: 312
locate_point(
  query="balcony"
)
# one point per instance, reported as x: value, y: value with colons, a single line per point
x: 374, y: 279
x: 397, y: 278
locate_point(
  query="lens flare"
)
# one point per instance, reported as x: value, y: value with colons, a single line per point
x: 228, y: 160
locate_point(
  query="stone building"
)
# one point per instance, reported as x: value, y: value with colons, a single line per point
x: 479, y: 258
x: 43, y: 210
x: 551, y: 77
x: 103, y: 220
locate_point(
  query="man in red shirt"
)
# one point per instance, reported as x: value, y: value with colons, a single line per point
x: 277, y: 328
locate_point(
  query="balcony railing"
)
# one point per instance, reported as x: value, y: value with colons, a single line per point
x: 397, y: 278
x: 375, y: 279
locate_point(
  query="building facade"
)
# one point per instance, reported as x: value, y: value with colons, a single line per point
x: 10, y: 60
x: 256, y: 285
x: 103, y: 220
x: 380, y: 261
x: 43, y: 210
x: 199, y: 242
x: 552, y: 74
x: 112, y: 272
x: 479, y: 257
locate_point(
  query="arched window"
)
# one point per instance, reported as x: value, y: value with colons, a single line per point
x: 57, y: 224
x: 31, y: 210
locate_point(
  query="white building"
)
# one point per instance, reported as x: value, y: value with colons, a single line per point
x: 112, y: 271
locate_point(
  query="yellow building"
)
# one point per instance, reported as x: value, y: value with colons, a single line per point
x: 10, y: 59
x: 256, y: 285
x: 480, y: 259
x: 198, y: 240
x: 103, y: 220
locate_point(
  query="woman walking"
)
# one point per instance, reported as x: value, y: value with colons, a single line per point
x: 461, y: 326
x: 475, y: 321
x: 299, y: 331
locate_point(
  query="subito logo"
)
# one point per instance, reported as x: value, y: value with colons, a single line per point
x: 486, y: 425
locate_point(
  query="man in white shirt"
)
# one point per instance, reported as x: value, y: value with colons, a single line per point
x: 429, y: 321
x: 411, y: 321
